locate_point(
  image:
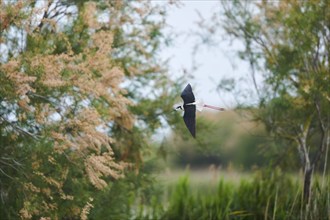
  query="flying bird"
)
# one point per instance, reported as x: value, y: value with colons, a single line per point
x: 189, y: 107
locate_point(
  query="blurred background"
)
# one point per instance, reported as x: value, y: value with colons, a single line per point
x: 87, y: 127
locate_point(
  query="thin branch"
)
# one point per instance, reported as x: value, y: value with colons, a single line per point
x: 303, y: 153
x: 316, y: 56
x: 19, y: 129
x: 8, y: 164
x: 45, y: 15
x: 4, y: 173
x: 323, y: 134
x: 54, y: 104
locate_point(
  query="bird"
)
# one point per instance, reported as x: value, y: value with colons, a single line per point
x: 189, y: 107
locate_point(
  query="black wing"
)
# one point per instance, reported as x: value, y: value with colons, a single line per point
x: 187, y: 95
x: 189, y: 118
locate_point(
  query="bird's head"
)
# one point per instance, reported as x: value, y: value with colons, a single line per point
x: 178, y: 107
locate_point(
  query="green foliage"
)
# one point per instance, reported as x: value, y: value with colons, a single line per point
x: 222, y: 139
x: 64, y: 57
x: 182, y: 202
x: 138, y: 196
x: 269, y: 194
x: 286, y: 44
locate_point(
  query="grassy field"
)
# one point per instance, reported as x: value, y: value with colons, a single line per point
x: 226, y: 194
x: 203, y: 176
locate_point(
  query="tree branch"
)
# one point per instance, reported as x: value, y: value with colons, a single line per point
x: 323, y: 134
x: 19, y: 129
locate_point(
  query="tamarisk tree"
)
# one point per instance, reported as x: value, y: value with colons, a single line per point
x: 67, y: 120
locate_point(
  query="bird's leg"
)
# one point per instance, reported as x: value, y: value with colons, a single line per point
x: 214, y: 107
x: 200, y: 105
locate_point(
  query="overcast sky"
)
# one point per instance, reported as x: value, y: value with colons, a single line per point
x: 214, y: 63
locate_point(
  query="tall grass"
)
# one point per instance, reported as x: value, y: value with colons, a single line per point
x: 267, y: 195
